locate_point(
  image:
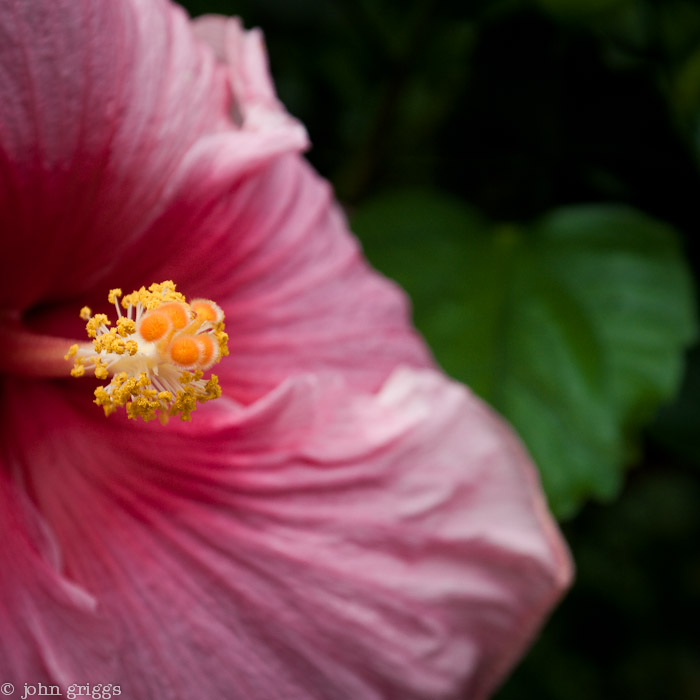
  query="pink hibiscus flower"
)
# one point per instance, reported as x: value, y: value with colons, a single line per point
x: 344, y: 522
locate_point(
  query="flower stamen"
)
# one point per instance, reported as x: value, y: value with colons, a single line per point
x: 155, y: 354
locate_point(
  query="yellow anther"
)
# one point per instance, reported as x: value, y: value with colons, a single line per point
x: 78, y: 368
x: 185, y: 402
x: 102, y: 343
x: 153, y: 297
x: 94, y: 324
x: 100, y: 369
x: 125, y: 326
x: 85, y: 313
x: 72, y: 352
x: 102, y: 398
x: 223, y: 343
x: 113, y: 295
x: 212, y: 389
x: 189, y: 377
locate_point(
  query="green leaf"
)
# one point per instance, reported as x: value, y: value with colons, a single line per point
x: 573, y: 327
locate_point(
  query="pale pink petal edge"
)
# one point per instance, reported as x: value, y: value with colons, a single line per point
x: 256, y: 107
x: 422, y: 461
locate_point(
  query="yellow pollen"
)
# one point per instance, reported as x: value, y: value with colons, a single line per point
x: 125, y: 327
x: 95, y: 324
x: 100, y: 369
x: 78, y: 368
x: 155, y: 353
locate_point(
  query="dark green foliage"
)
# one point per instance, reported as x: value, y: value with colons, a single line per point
x: 573, y: 326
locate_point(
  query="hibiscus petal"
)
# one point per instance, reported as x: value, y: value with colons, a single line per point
x: 114, y: 183
x: 316, y: 544
x: 297, y: 293
x: 48, y: 622
x: 275, y: 251
x: 243, y: 53
x: 105, y: 106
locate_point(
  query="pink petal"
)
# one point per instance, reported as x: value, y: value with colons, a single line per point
x: 105, y: 106
x: 123, y: 167
x: 48, y: 622
x: 243, y: 53
x: 297, y: 293
x: 317, y: 544
x: 276, y: 253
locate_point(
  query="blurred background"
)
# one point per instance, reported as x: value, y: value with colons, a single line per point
x: 529, y: 171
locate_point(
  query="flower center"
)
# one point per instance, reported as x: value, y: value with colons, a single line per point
x: 156, y: 353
